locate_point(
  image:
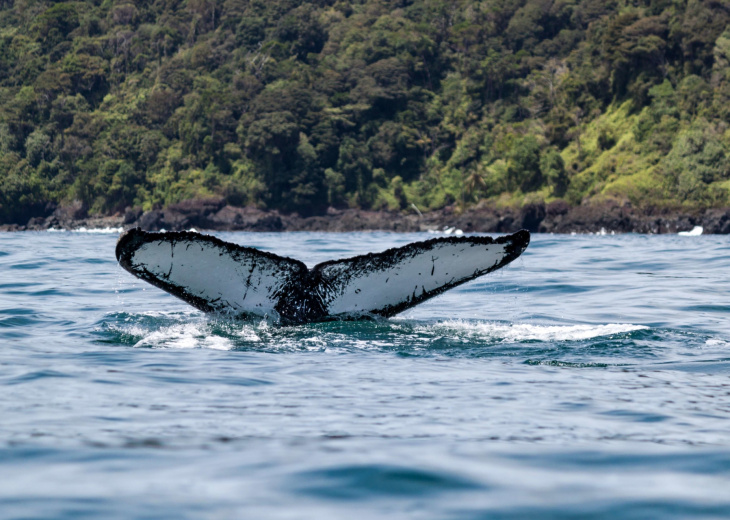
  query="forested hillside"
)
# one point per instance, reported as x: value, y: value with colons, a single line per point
x: 299, y: 106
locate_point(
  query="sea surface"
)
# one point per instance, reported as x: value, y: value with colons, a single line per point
x: 588, y: 379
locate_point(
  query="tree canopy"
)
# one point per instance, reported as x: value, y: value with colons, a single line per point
x: 298, y: 106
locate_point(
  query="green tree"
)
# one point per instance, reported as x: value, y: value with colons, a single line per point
x: 552, y: 168
x: 524, y: 164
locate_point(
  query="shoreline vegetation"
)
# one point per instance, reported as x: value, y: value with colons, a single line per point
x: 215, y: 214
x: 571, y: 115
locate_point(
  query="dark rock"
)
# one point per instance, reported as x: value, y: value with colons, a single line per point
x: 36, y: 224
x: 228, y: 217
x: 555, y: 213
x: 175, y: 221
x: 201, y: 207
x: 507, y: 224
x: 353, y: 220
x: 268, y: 223
x: 198, y: 213
x: 716, y: 221
x: 131, y: 215
x: 531, y: 216
x: 150, y: 220
x: 11, y: 227
x: 76, y: 210
x: 482, y: 220
x: 589, y: 218
x: 557, y: 208
x: 192, y: 213
x: 52, y: 222
x: 245, y: 219
x: 187, y: 214
x: 683, y: 223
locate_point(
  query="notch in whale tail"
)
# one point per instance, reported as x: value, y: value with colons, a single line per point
x: 243, y: 282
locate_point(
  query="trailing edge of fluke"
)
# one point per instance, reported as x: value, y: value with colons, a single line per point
x: 243, y: 282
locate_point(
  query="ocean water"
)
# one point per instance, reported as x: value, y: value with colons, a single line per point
x: 588, y: 379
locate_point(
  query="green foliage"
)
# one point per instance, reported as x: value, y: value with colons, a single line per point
x: 335, y: 188
x: 21, y: 190
x: 696, y: 161
x: 524, y: 164
x: 553, y: 171
x: 303, y: 105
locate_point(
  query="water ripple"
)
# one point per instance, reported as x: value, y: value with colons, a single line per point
x: 587, y: 379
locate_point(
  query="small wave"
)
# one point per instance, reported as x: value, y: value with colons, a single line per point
x: 516, y: 332
x: 365, y: 481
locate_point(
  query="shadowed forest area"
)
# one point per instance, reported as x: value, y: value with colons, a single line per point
x: 299, y: 106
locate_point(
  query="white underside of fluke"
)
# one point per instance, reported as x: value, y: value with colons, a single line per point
x: 362, y: 289
x: 230, y: 282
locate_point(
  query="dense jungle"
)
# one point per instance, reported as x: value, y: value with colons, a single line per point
x: 372, y: 104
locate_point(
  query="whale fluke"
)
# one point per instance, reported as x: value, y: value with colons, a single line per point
x: 243, y: 282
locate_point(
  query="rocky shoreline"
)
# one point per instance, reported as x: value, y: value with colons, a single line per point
x: 556, y: 217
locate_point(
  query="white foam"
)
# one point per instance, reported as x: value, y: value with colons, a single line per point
x: 248, y: 334
x: 528, y: 332
x: 186, y: 314
x: 184, y: 336
x: 449, y: 230
x: 695, y: 232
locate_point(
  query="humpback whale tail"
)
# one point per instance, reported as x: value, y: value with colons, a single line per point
x: 243, y: 282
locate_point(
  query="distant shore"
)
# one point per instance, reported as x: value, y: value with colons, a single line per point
x: 556, y: 217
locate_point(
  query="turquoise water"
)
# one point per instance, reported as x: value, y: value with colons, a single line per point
x: 588, y: 379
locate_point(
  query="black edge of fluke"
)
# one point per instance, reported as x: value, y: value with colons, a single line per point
x: 520, y: 241
x: 127, y: 243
